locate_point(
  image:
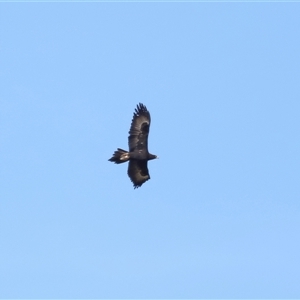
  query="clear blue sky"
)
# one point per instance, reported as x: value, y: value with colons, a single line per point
x: 220, y: 216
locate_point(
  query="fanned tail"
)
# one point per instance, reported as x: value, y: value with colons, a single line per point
x: 120, y: 156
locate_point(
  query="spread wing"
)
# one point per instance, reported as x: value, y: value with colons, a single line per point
x: 138, y: 172
x: 139, y: 129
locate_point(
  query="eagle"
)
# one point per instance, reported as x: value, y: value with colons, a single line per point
x: 138, y: 154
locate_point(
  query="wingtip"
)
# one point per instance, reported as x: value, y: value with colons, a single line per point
x: 141, y: 107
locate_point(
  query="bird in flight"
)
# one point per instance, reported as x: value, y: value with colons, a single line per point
x: 138, y: 154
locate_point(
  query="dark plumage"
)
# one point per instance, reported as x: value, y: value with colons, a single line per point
x: 138, y: 154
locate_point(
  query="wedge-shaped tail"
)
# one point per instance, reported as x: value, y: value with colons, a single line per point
x: 120, y: 156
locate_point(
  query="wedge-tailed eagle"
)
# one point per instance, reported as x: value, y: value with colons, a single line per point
x: 138, y: 154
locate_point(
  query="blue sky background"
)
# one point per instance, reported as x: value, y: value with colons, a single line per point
x: 220, y: 216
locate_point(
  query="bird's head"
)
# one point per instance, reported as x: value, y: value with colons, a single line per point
x: 151, y: 156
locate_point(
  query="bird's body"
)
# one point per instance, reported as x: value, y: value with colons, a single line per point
x: 138, y: 154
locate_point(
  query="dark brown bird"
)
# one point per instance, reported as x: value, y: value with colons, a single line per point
x: 138, y: 154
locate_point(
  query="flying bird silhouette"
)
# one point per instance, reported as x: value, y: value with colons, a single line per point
x: 138, y: 154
